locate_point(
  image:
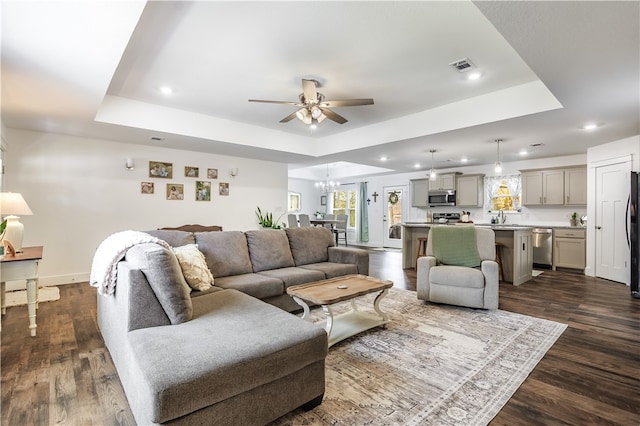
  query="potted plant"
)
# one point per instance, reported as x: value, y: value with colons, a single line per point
x: 266, y: 220
x: 574, y: 219
x: 319, y: 215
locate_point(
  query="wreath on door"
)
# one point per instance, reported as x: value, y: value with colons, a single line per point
x: 393, y: 198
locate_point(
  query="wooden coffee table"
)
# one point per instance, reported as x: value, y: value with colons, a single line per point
x: 334, y: 290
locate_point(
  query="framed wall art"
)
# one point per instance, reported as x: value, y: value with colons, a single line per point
x: 323, y: 200
x: 224, y: 188
x: 191, y: 171
x: 203, y: 190
x: 146, y: 187
x: 175, y: 191
x: 212, y: 173
x: 158, y: 169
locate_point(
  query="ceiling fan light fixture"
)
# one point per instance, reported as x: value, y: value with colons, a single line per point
x: 316, y: 112
x: 302, y: 114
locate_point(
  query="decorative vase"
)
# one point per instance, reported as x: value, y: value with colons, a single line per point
x: 574, y: 222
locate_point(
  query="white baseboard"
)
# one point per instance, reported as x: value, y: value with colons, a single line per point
x: 52, y: 280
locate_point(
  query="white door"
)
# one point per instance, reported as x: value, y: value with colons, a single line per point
x: 394, y: 202
x: 613, y: 186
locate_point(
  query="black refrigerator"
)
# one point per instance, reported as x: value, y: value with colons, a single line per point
x: 633, y: 233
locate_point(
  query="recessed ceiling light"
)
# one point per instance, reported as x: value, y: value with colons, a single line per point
x: 383, y: 158
x: 417, y: 165
x: 464, y: 159
x: 590, y: 126
x: 166, y: 90
x: 474, y: 76
x: 523, y: 152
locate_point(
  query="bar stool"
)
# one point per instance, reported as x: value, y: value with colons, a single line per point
x: 499, y: 260
x: 422, y: 249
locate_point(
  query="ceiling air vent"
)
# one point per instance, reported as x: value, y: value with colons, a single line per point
x: 462, y: 65
x: 156, y: 138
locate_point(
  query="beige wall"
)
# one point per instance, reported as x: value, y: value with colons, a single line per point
x: 80, y: 192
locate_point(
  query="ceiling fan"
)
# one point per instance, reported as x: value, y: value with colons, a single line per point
x: 313, y: 106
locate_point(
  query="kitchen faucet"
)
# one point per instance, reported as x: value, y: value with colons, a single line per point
x: 501, y: 217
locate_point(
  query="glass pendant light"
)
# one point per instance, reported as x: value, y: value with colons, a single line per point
x: 432, y: 173
x: 498, y: 166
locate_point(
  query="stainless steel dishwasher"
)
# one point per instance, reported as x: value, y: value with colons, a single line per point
x: 543, y: 246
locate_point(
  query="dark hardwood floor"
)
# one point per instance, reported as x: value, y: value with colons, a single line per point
x: 591, y: 376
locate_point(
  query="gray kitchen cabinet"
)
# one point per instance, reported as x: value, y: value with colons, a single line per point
x: 443, y: 181
x: 569, y: 248
x: 575, y: 187
x: 543, y: 187
x: 516, y: 253
x: 419, y: 192
x: 470, y: 190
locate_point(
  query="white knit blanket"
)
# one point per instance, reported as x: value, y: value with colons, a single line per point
x: 104, y: 270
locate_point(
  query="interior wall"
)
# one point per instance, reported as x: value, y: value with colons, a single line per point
x: 80, y: 192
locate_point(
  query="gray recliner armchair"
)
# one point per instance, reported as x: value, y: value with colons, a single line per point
x: 473, y: 287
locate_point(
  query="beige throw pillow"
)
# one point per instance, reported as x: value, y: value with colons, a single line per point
x: 194, y: 267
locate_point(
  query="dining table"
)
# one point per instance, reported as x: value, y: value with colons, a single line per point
x: 322, y: 222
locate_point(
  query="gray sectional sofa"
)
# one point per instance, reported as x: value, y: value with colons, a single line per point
x: 223, y: 355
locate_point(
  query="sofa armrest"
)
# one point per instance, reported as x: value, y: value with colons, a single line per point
x: 358, y: 257
x: 491, y: 283
x: 424, y: 266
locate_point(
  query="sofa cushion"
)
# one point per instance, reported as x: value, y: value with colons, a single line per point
x: 194, y: 267
x: 269, y: 249
x: 332, y: 270
x: 294, y: 276
x: 255, y: 285
x: 309, y: 245
x: 163, y: 272
x: 456, y: 276
x: 173, y: 238
x: 217, y: 356
x: 226, y: 252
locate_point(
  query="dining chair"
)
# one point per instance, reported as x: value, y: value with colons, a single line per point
x: 341, y: 228
x: 304, y: 220
x: 292, y: 219
x: 329, y: 216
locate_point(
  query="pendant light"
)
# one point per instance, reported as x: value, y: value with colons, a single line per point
x: 498, y: 167
x: 432, y: 173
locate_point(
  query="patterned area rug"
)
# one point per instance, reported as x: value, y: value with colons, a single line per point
x: 432, y: 365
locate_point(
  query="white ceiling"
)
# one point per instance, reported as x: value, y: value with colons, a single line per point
x: 94, y: 69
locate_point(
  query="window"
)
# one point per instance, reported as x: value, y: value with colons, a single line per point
x: 344, y: 202
x: 503, y: 193
x: 295, y: 201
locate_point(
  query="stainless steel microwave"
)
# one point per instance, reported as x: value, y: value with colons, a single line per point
x: 442, y: 197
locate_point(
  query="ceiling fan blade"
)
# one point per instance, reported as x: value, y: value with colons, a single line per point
x: 289, y: 117
x: 347, y: 102
x: 309, y: 90
x: 333, y: 116
x: 276, y: 102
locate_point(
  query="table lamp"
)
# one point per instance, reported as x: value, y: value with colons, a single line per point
x: 12, y: 204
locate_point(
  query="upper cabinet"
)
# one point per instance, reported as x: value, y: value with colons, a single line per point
x: 470, y: 190
x: 419, y: 192
x: 554, y: 187
x: 575, y: 187
x: 443, y: 181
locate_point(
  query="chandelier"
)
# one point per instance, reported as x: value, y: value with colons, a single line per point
x: 328, y: 185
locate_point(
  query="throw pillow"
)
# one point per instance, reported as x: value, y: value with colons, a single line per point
x: 194, y: 267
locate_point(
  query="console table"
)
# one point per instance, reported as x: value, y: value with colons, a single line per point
x: 22, y: 266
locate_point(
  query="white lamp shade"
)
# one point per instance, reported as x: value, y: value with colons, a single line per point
x: 12, y: 203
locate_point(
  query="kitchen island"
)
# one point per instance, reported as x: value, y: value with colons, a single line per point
x: 517, y: 254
